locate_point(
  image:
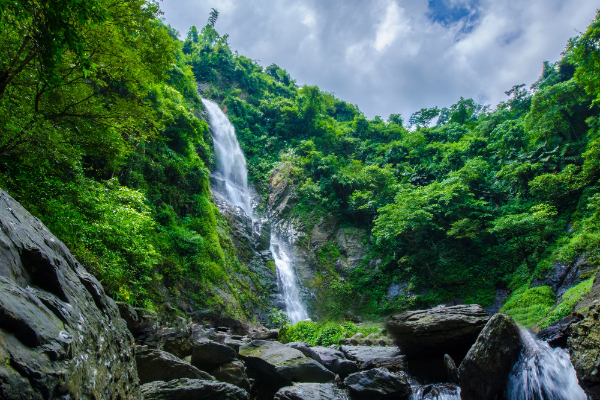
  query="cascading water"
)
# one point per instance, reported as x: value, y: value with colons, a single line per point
x: 287, y: 281
x: 543, y: 373
x: 231, y: 163
x: 231, y: 169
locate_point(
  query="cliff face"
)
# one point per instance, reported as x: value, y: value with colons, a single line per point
x: 60, y: 335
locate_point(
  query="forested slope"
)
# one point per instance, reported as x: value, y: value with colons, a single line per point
x: 103, y: 139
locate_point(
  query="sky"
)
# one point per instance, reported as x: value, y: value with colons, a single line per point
x: 397, y: 56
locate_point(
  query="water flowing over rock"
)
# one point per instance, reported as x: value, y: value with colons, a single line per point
x: 60, y: 335
x: 543, y: 373
x: 287, y: 280
x: 442, y: 391
x: 231, y: 163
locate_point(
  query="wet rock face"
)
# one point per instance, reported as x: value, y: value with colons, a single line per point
x: 484, y: 371
x: 192, y: 389
x: 363, y: 354
x: 208, y: 355
x: 584, y: 346
x: 556, y: 335
x: 234, y: 373
x: 156, y: 365
x: 60, y: 335
x: 440, y: 330
x: 312, y: 391
x: 378, y: 383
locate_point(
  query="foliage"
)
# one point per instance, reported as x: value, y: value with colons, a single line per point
x: 323, y: 334
x: 528, y: 306
x: 567, y: 302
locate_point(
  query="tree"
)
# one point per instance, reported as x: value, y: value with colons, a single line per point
x: 212, y: 19
x: 395, y: 119
x: 423, y: 117
x: 193, y: 34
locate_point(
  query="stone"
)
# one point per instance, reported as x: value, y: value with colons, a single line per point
x: 311, y: 391
x: 305, y: 349
x: 156, y: 365
x: 264, y: 334
x: 378, y: 383
x: 328, y: 355
x: 179, y: 346
x: 392, y: 364
x: 280, y: 365
x: 437, y: 331
x: 484, y: 371
x: 556, y: 334
x: 208, y: 355
x: 584, y: 346
x: 234, y: 373
x: 61, y: 336
x: 343, y: 368
x: 363, y: 354
x: 235, y: 344
x: 192, y: 389
x: 451, y: 368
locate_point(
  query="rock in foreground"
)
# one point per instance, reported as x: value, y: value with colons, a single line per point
x: 484, y: 371
x: 440, y: 330
x: 312, y: 391
x: 281, y: 365
x: 60, y: 335
x: 156, y: 365
x: 363, y: 354
x: 192, y: 389
x: 378, y: 383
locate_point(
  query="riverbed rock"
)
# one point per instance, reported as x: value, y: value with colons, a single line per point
x: 378, y: 383
x: 327, y: 355
x: 484, y: 371
x: 156, y: 365
x: 60, y: 335
x: 584, y: 346
x: 305, y: 349
x: 312, y: 391
x: 280, y: 365
x: 363, y: 354
x: 192, y: 389
x: 437, y: 331
x: 234, y: 373
x: 179, y: 346
x: 208, y: 355
x: 451, y: 369
x: 392, y: 364
x: 556, y: 334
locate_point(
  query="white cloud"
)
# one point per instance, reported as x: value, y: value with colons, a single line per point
x: 390, y: 26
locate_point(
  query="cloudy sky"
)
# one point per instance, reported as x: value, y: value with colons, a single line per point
x: 397, y: 56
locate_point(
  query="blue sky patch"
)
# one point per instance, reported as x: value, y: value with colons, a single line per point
x: 455, y: 12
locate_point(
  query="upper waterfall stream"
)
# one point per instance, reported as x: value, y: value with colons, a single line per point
x: 231, y: 169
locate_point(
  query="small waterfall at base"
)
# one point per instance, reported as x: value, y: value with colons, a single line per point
x: 543, y: 373
x: 231, y: 163
x: 287, y: 281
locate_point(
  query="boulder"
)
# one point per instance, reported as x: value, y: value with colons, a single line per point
x: 264, y: 334
x: 208, y: 355
x: 234, y: 373
x: 305, y: 349
x: 179, y: 346
x: 392, y: 364
x: 556, y: 334
x: 192, y: 389
x: 279, y: 364
x: 363, y: 354
x: 440, y: 330
x: 328, y: 355
x: 311, y: 391
x: 378, y: 383
x: 60, y: 335
x: 235, y: 344
x: 484, y: 371
x: 156, y: 365
x: 343, y: 368
x: 451, y: 369
x: 584, y: 346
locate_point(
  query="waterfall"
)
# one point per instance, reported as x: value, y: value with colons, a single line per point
x: 232, y: 171
x: 543, y: 373
x: 287, y: 281
x: 231, y: 163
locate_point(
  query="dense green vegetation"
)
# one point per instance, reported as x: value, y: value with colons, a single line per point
x: 485, y: 198
x: 103, y: 140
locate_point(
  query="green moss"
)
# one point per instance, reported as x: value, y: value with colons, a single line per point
x: 528, y: 306
x: 270, y: 265
x: 568, y: 301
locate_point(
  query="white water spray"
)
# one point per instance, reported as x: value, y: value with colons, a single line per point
x: 287, y: 281
x: 231, y: 163
x: 543, y: 373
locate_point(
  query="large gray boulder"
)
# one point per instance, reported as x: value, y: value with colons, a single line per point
x: 208, y: 355
x: 584, y: 346
x: 363, y: 354
x: 378, y: 383
x: 312, y: 391
x: 60, y: 335
x: 192, y: 389
x: 305, y: 349
x: 392, y: 364
x: 327, y: 355
x: 437, y: 331
x: 156, y: 365
x: 281, y: 365
x: 181, y: 347
x: 234, y: 373
x: 484, y: 371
